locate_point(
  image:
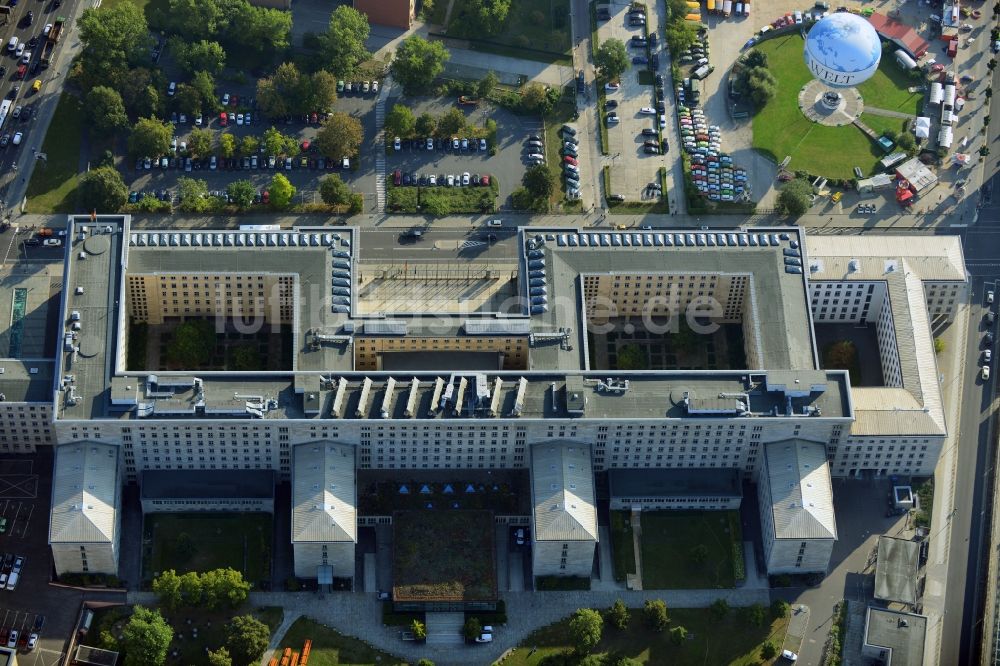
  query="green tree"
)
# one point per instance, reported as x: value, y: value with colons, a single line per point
x: 539, y: 181
x: 425, y: 662
x: 322, y: 91
x: 585, y: 629
x: 755, y: 58
x: 249, y: 145
x: 780, y: 608
x: 632, y: 357
x: 204, y: 83
x: 140, y: 91
x: 841, y: 355
x: 334, y: 191
x: 343, y: 45
x: 618, y: 615
x: 535, y: 98
x: 281, y: 191
x: 418, y: 62
x: 472, y: 629
x: 225, y: 588
x: 259, y: 29
x: 247, y: 638
x: 906, y: 142
x: 219, y: 657
x: 451, y: 123
x: 487, y: 84
x: 487, y: 16
x: 187, y: 100
x: 340, y: 136
x: 699, y: 553
x: 426, y: 125
x: 768, y: 650
x: 756, y: 614
x: 200, y: 142
x: 274, y: 141
x: 194, y: 19
x: 795, y: 197
x: 167, y: 587
x: 241, y: 193
x: 611, y: 59
x: 105, y: 109
x: 146, y: 638
x: 200, y: 56
x: 655, y: 612
x: 400, y: 122
x: 190, y: 347
x: 113, y: 35
x: 678, y: 635
x: 283, y: 93
x: 150, y: 138
x: 626, y: 661
x: 103, y: 189
x: 759, y: 84
x: 192, y: 195
x: 680, y: 36
x: 227, y: 145
x: 719, y: 608
x: 939, y: 345
x: 418, y: 629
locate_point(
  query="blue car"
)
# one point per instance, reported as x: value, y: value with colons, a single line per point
x: 639, y: 60
x: 750, y: 42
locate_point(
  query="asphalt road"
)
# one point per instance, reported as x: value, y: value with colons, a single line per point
x: 440, y: 245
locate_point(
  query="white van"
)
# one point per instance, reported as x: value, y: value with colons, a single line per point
x: 12, y: 44
x: 12, y: 581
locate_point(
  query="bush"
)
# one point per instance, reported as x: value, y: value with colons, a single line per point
x: 768, y: 650
x: 756, y: 614
x: 780, y: 608
x: 719, y: 609
x: 618, y: 615
x: 678, y: 635
x: 655, y: 612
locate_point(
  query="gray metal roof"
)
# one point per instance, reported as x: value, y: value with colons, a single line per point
x: 562, y: 487
x: 84, y: 494
x: 896, y: 570
x: 675, y: 482
x: 801, y: 493
x: 902, y: 634
x: 324, y: 494
x: 203, y: 483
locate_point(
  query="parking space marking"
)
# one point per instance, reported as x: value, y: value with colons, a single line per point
x: 45, y: 657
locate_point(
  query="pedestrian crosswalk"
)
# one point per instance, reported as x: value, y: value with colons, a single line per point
x: 383, y: 95
x: 469, y: 244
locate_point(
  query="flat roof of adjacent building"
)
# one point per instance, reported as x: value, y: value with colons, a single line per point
x: 903, y: 634
x: 684, y: 482
x: 896, y: 570
x: 207, y: 484
x: 26, y: 381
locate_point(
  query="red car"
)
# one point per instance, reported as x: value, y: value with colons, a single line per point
x: 234, y: 100
x: 485, y: 180
x: 570, y: 160
x: 265, y: 196
x: 223, y: 119
x: 397, y: 177
x: 305, y: 146
x: 314, y: 118
x: 21, y: 71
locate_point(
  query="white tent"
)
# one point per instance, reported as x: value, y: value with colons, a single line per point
x: 937, y: 93
x: 945, y: 137
x: 923, y: 127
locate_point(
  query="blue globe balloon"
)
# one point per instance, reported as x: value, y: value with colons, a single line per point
x: 843, y: 50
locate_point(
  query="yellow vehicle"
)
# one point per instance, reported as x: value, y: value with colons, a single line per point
x: 836, y: 197
x: 37, y: 85
x: 620, y: 226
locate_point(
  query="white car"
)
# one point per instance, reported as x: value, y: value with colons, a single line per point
x: 12, y: 641
x: 47, y: 29
x: 648, y: 110
x: 450, y: 180
x: 663, y: 120
x: 613, y: 118
x: 374, y: 86
x: 989, y: 297
x: 612, y: 87
x: 432, y: 180
x: 536, y: 157
x: 986, y: 372
x: 429, y: 144
x: 396, y: 143
x: 17, y: 138
x: 26, y: 58
x: 466, y: 178
x: 345, y: 163
x: 988, y: 355
x: 198, y: 120
x: 789, y: 655
x: 239, y: 118
x: 484, y: 638
x: 32, y: 641
x: 213, y: 163
x: 225, y: 99
x: 19, y: 51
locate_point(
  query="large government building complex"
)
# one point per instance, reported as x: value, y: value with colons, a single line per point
x: 508, y: 366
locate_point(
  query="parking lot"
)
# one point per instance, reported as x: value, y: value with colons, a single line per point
x: 25, y: 488
x: 360, y: 177
x: 632, y: 169
x: 507, y: 165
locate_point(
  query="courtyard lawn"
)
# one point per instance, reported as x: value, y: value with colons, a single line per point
x: 534, y: 29
x: 241, y: 541
x: 780, y: 129
x: 331, y: 648
x: 669, y: 540
x: 732, y: 641
x: 621, y: 541
x: 882, y: 124
x: 52, y: 188
x: 889, y: 89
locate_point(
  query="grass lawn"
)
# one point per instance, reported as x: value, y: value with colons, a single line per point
x: 668, y: 538
x: 190, y: 648
x: 731, y: 641
x: 458, y: 199
x: 780, y: 129
x: 423, y: 571
x: 882, y: 124
x: 888, y: 89
x: 621, y: 541
x: 331, y: 648
x: 53, y: 183
x: 238, y: 540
